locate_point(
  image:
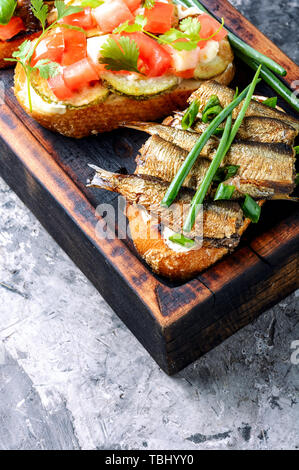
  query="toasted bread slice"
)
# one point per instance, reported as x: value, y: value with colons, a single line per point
x: 106, y: 116
x: 175, y: 265
x: 8, y: 47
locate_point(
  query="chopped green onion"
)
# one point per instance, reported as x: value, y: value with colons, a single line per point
x: 226, y: 173
x: 190, y: 115
x: 271, y: 102
x: 211, y: 109
x: 211, y: 113
x: 225, y: 143
x: 224, y: 191
x: 191, y: 158
x: 273, y: 82
x: 205, y: 184
x: 218, y: 131
x: 296, y: 149
x: 251, y: 209
x: 181, y: 240
x: 240, y: 45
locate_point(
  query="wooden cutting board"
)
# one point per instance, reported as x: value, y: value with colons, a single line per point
x: 176, y: 323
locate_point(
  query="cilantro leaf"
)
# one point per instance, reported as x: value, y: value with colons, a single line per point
x: 91, y: 3
x: 23, y: 51
x: 191, y: 27
x: 40, y: 11
x: 139, y: 24
x: 148, y: 4
x: 64, y: 10
x: 121, y: 55
x: 46, y: 68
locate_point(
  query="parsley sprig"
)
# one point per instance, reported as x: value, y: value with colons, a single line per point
x: 185, y: 38
x: 24, y: 54
x: 120, y: 55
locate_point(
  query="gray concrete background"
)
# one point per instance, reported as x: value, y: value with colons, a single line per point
x: 72, y: 376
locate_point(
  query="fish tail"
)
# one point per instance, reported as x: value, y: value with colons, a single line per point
x: 104, y: 179
x: 140, y: 126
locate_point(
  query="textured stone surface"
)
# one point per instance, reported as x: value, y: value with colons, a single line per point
x: 72, y: 376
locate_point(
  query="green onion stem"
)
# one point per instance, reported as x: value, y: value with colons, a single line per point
x: 225, y: 143
x: 240, y: 45
x: 204, y: 187
x: 244, y: 108
x: 274, y: 82
x: 185, y: 168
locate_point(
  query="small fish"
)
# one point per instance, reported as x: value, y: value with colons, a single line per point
x: 220, y: 223
x: 253, y: 128
x: 270, y: 167
x: 226, y: 96
x: 180, y: 137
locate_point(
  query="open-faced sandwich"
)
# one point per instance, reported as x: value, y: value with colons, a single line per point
x: 17, y: 23
x: 117, y: 60
x: 193, y: 159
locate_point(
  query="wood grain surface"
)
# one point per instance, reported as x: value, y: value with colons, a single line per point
x: 176, y: 323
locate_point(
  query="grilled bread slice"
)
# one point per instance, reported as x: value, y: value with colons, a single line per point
x: 106, y: 115
x: 175, y: 265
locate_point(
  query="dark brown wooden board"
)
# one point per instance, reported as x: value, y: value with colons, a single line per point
x: 176, y: 323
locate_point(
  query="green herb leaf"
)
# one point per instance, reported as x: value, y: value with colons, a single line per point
x: 46, y: 68
x: 271, y: 102
x: 91, y: 3
x: 181, y: 240
x: 65, y: 10
x: 191, y: 27
x: 224, y: 191
x: 251, y: 209
x: 121, y: 55
x: 23, y: 51
x: 190, y: 115
x: 70, y: 26
x: 140, y: 22
x: 40, y: 11
x: 7, y: 9
x: 211, y: 109
x: 296, y: 149
x: 225, y: 173
x: 148, y: 4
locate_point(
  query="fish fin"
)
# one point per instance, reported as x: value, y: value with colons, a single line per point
x: 103, y: 179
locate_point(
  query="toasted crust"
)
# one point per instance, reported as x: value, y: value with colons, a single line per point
x: 106, y: 116
x: 8, y: 47
x: 162, y: 259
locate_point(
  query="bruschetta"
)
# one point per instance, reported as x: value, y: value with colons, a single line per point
x: 123, y: 61
x: 17, y: 23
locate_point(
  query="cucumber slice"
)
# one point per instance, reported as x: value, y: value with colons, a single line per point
x: 89, y: 95
x: 140, y: 89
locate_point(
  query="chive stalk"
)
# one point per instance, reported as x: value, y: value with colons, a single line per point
x: 225, y: 143
x: 191, y: 158
x: 205, y: 184
x: 180, y: 239
x: 274, y: 82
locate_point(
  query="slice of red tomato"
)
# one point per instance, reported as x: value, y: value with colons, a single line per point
x: 154, y: 60
x: 59, y: 87
x: 133, y: 4
x: 209, y: 26
x: 159, y: 18
x: 83, y: 19
x: 111, y: 14
x: 13, y: 27
x: 75, y: 46
x: 51, y: 47
x: 79, y: 74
